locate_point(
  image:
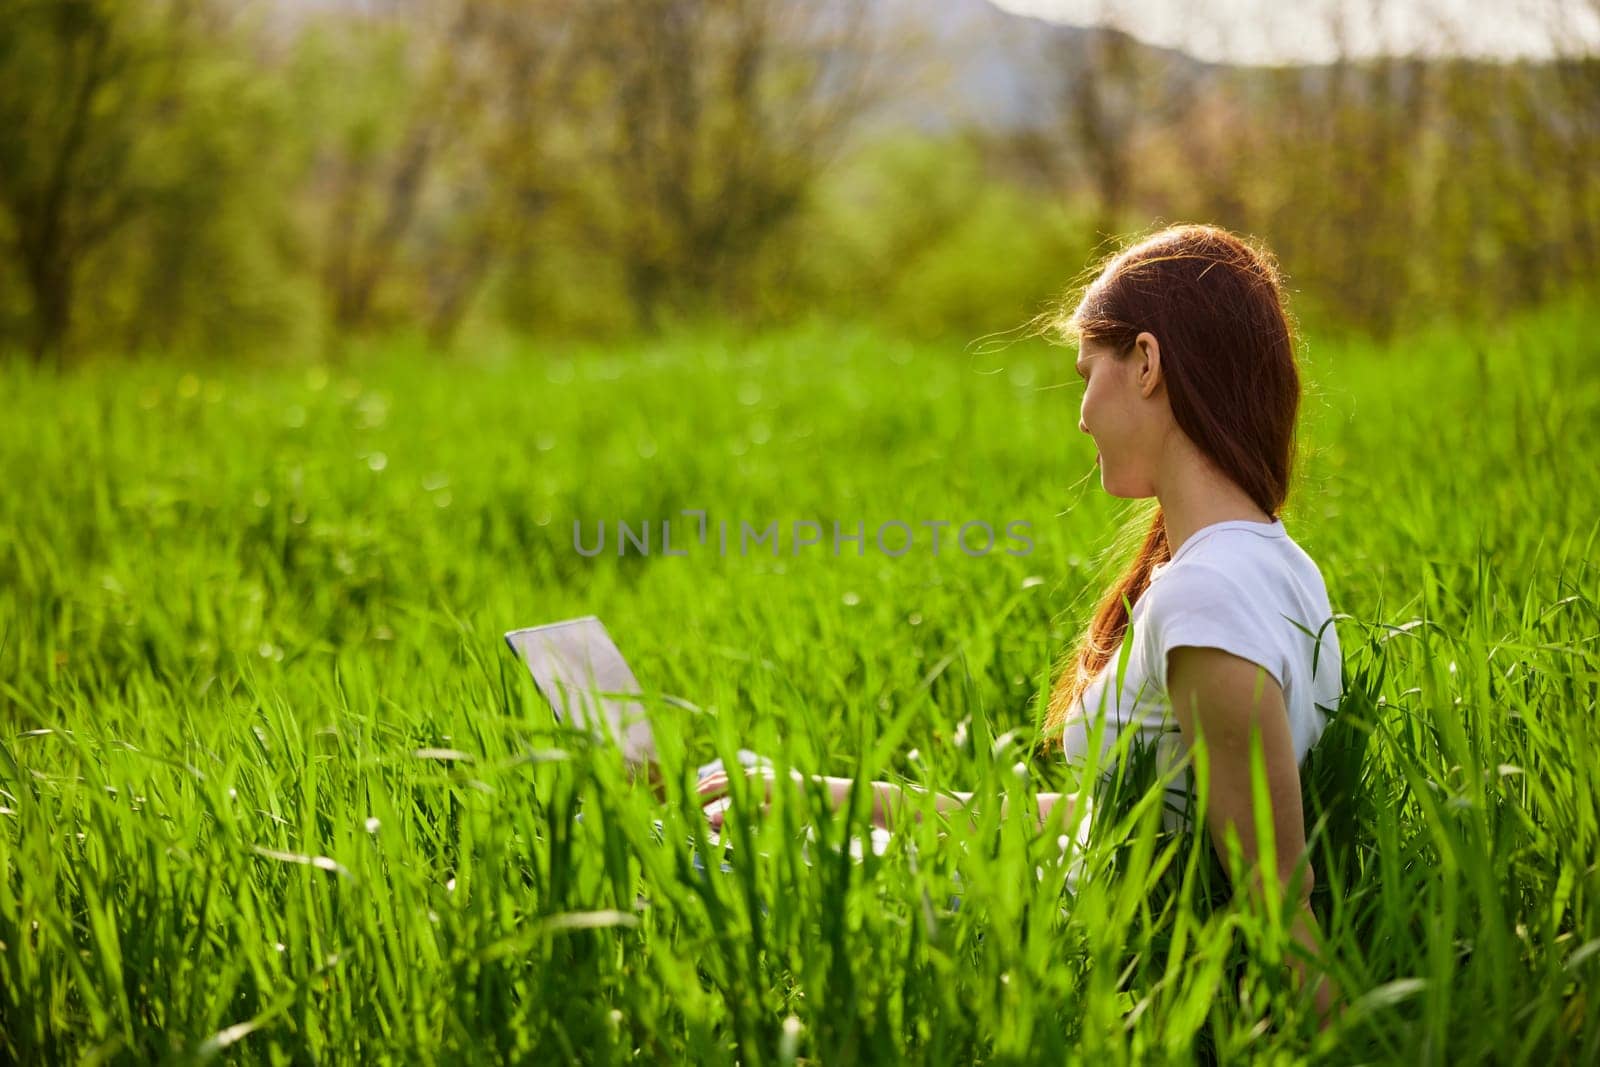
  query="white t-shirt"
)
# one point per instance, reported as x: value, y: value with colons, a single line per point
x: 1242, y: 586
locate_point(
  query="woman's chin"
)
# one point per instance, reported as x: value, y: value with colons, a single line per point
x: 1115, y: 487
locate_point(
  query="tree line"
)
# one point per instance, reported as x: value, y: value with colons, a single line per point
x: 220, y: 175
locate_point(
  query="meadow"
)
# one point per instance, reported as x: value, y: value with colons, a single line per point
x: 274, y: 790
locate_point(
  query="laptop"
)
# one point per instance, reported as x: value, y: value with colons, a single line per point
x: 581, y: 672
x: 587, y: 682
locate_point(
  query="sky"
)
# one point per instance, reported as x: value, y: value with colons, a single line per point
x: 1269, y: 31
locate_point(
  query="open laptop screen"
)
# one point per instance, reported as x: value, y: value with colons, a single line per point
x: 580, y: 671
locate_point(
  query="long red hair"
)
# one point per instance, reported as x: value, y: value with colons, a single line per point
x: 1214, y: 301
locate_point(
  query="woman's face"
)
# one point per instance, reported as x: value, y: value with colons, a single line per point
x: 1125, y: 410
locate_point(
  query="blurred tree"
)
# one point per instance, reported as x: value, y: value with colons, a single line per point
x: 435, y: 149
x: 379, y: 95
x: 714, y: 119
x: 138, y: 205
x: 1103, y: 108
x: 517, y: 68
x: 82, y: 83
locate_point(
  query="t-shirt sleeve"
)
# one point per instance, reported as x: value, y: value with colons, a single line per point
x: 1199, y: 605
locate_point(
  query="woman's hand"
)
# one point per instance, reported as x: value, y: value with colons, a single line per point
x: 715, y: 791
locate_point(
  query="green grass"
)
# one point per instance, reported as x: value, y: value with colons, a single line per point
x: 247, y: 614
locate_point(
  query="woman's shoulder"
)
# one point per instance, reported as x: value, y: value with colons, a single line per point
x: 1245, y: 561
x: 1236, y: 578
x: 1232, y: 586
x: 1197, y: 590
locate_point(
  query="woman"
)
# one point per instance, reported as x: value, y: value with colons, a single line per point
x: 1191, y: 396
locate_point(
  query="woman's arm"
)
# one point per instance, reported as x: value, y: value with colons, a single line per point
x: 889, y: 802
x: 1227, y: 698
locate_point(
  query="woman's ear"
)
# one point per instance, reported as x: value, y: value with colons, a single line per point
x: 1149, y: 374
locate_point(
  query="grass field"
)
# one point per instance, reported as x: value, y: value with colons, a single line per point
x: 274, y: 789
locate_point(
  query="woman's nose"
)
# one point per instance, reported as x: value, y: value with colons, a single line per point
x: 1081, y: 427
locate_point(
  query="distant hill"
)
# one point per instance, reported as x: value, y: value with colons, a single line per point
x: 970, y: 63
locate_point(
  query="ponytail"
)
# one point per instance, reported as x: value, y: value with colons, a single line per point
x: 1106, y: 629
